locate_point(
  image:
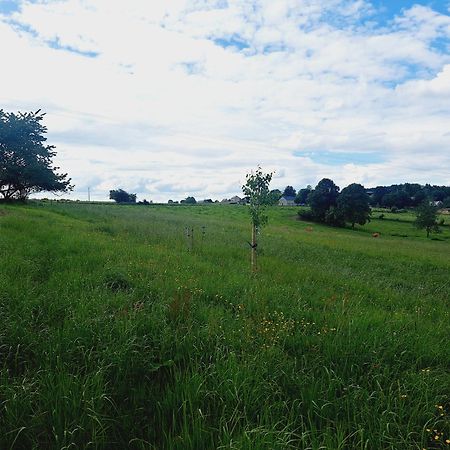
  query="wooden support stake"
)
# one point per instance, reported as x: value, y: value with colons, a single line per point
x: 253, y: 246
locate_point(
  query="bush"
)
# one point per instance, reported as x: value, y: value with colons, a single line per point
x: 334, y: 217
x: 306, y: 214
x: 189, y: 201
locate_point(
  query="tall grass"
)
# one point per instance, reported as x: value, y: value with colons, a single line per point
x: 114, y: 335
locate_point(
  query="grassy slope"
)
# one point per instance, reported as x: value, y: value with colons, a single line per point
x: 115, y: 336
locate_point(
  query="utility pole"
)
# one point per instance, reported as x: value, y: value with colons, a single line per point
x: 89, y: 194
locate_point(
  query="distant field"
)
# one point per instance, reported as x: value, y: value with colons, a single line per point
x: 115, y: 336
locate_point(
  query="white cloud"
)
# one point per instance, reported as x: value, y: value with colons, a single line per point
x: 166, y: 106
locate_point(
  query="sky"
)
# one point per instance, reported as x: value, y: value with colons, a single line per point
x: 172, y: 98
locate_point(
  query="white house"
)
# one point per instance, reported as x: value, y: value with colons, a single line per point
x: 287, y: 200
x: 236, y: 200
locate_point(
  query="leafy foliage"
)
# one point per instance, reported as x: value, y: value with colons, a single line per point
x: 322, y: 198
x: 256, y: 189
x: 289, y: 191
x: 353, y: 204
x: 302, y: 196
x: 427, y: 218
x: 276, y: 195
x: 121, y: 196
x: 407, y: 195
x: 26, y: 165
x: 189, y: 201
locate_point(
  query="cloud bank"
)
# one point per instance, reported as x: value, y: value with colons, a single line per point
x: 176, y: 98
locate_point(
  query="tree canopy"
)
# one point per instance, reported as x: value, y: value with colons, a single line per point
x: 322, y: 198
x: 407, y: 195
x: 426, y: 218
x: 259, y: 196
x: 353, y: 205
x: 26, y: 164
x: 256, y: 189
x: 289, y: 191
x: 189, y: 200
x: 121, y: 196
x: 275, y: 195
x: 302, y: 196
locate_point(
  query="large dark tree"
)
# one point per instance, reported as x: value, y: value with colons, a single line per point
x: 322, y: 198
x: 302, y: 196
x: 398, y: 198
x: 26, y: 165
x: 353, y: 204
x: 419, y: 197
x: 412, y: 189
x: 377, y: 196
x: 189, y: 200
x: 289, y: 191
x: 121, y: 196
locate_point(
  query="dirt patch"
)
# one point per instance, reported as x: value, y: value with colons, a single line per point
x: 3, y: 212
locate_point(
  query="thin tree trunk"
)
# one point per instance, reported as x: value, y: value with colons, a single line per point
x: 254, y: 245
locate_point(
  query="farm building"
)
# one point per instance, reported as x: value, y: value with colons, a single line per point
x: 236, y: 200
x: 287, y: 200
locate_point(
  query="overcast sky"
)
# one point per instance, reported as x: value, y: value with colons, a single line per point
x: 169, y: 98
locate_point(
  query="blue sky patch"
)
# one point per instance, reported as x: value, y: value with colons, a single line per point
x: 8, y: 6
x: 193, y: 68
x: 54, y: 43
x: 441, y: 45
x: 386, y: 10
x: 233, y: 41
x: 340, y: 158
x: 274, y: 48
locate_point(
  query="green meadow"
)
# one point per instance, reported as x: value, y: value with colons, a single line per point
x: 115, y: 334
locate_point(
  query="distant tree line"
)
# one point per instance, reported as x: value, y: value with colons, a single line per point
x: 408, y: 195
x: 122, y: 196
x: 327, y: 204
x: 26, y: 167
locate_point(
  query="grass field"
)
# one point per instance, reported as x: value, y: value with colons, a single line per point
x: 113, y: 335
